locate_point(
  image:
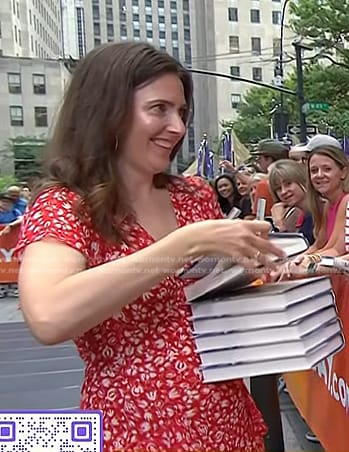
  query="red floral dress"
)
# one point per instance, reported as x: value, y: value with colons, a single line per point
x: 141, y: 367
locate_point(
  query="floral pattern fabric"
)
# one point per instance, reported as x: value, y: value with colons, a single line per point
x: 142, y: 370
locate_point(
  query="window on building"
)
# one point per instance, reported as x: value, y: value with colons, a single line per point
x: 235, y: 70
x: 187, y: 53
x: 134, y: 2
x: 161, y: 19
x: 16, y: 115
x: 136, y: 33
x: 39, y: 84
x: 174, y: 19
x: 14, y: 82
x: 16, y: 34
x: 40, y: 115
x: 110, y: 30
x: 173, y: 5
x: 148, y: 3
x: 255, y: 16
x: 175, y: 53
x: 187, y: 34
x: 122, y: 16
x: 161, y: 4
x: 186, y: 20
x: 148, y: 18
x: 256, y: 47
x: 96, y: 28
x: 123, y: 30
x: 186, y: 5
x: 276, y: 46
x: 97, y: 42
x: 109, y: 14
x: 30, y: 17
x: 135, y: 17
x: 162, y: 34
x: 109, y: 2
x: 234, y: 46
x: 174, y: 36
x: 235, y: 100
x: 233, y: 15
x: 257, y: 74
x: 95, y: 12
x: 276, y: 17
x: 149, y: 33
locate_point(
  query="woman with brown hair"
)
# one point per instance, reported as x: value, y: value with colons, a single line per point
x: 290, y: 211
x: 102, y: 245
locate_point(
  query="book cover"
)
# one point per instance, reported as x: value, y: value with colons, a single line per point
x: 215, y: 275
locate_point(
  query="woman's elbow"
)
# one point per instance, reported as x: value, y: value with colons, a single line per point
x: 44, y: 327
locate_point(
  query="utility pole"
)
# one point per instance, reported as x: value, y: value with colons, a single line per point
x: 300, y: 90
x: 281, y: 116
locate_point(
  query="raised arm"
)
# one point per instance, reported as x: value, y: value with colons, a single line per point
x: 61, y: 299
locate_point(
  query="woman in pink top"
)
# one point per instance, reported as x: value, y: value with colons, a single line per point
x: 328, y: 185
x: 327, y: 189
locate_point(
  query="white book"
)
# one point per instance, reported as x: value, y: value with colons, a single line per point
x: 264, y: 352
x: 242, y: 337
x: 266, y: 298
x: 264, y: 319
x: 216, y: 275
x: 244, y: 369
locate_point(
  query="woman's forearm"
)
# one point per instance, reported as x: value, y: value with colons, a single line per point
x: 76, y: 303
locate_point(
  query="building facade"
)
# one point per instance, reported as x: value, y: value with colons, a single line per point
x: 31, y: 91
x: 246, y: 42
x: 31, y: 28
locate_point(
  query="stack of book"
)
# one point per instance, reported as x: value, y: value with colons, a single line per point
x: 243, y: 331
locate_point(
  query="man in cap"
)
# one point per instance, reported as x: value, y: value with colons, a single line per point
x: 267, y: 152
x: 320, y: 140
x: 299, y: 153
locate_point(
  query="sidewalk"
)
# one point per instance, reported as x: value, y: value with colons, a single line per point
x: 293, y: 425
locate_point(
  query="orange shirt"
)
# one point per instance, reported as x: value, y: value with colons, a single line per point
x: 263, y: 191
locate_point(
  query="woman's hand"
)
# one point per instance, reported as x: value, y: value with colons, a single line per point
x: 246, y: 242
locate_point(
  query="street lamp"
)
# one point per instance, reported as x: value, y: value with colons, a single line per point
x: 281, y: 117
x: 281, y: 56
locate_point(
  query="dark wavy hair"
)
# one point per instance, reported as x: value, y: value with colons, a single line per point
x: 223, y: 202
x: 97, y: 108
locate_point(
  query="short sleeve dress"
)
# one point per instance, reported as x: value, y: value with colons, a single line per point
x: 141, y: 367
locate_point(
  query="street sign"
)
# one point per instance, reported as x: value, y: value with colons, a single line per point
x: 315, y: 106
x: 296, y: 130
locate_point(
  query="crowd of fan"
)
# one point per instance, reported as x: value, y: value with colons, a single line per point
x: 306, y: 190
